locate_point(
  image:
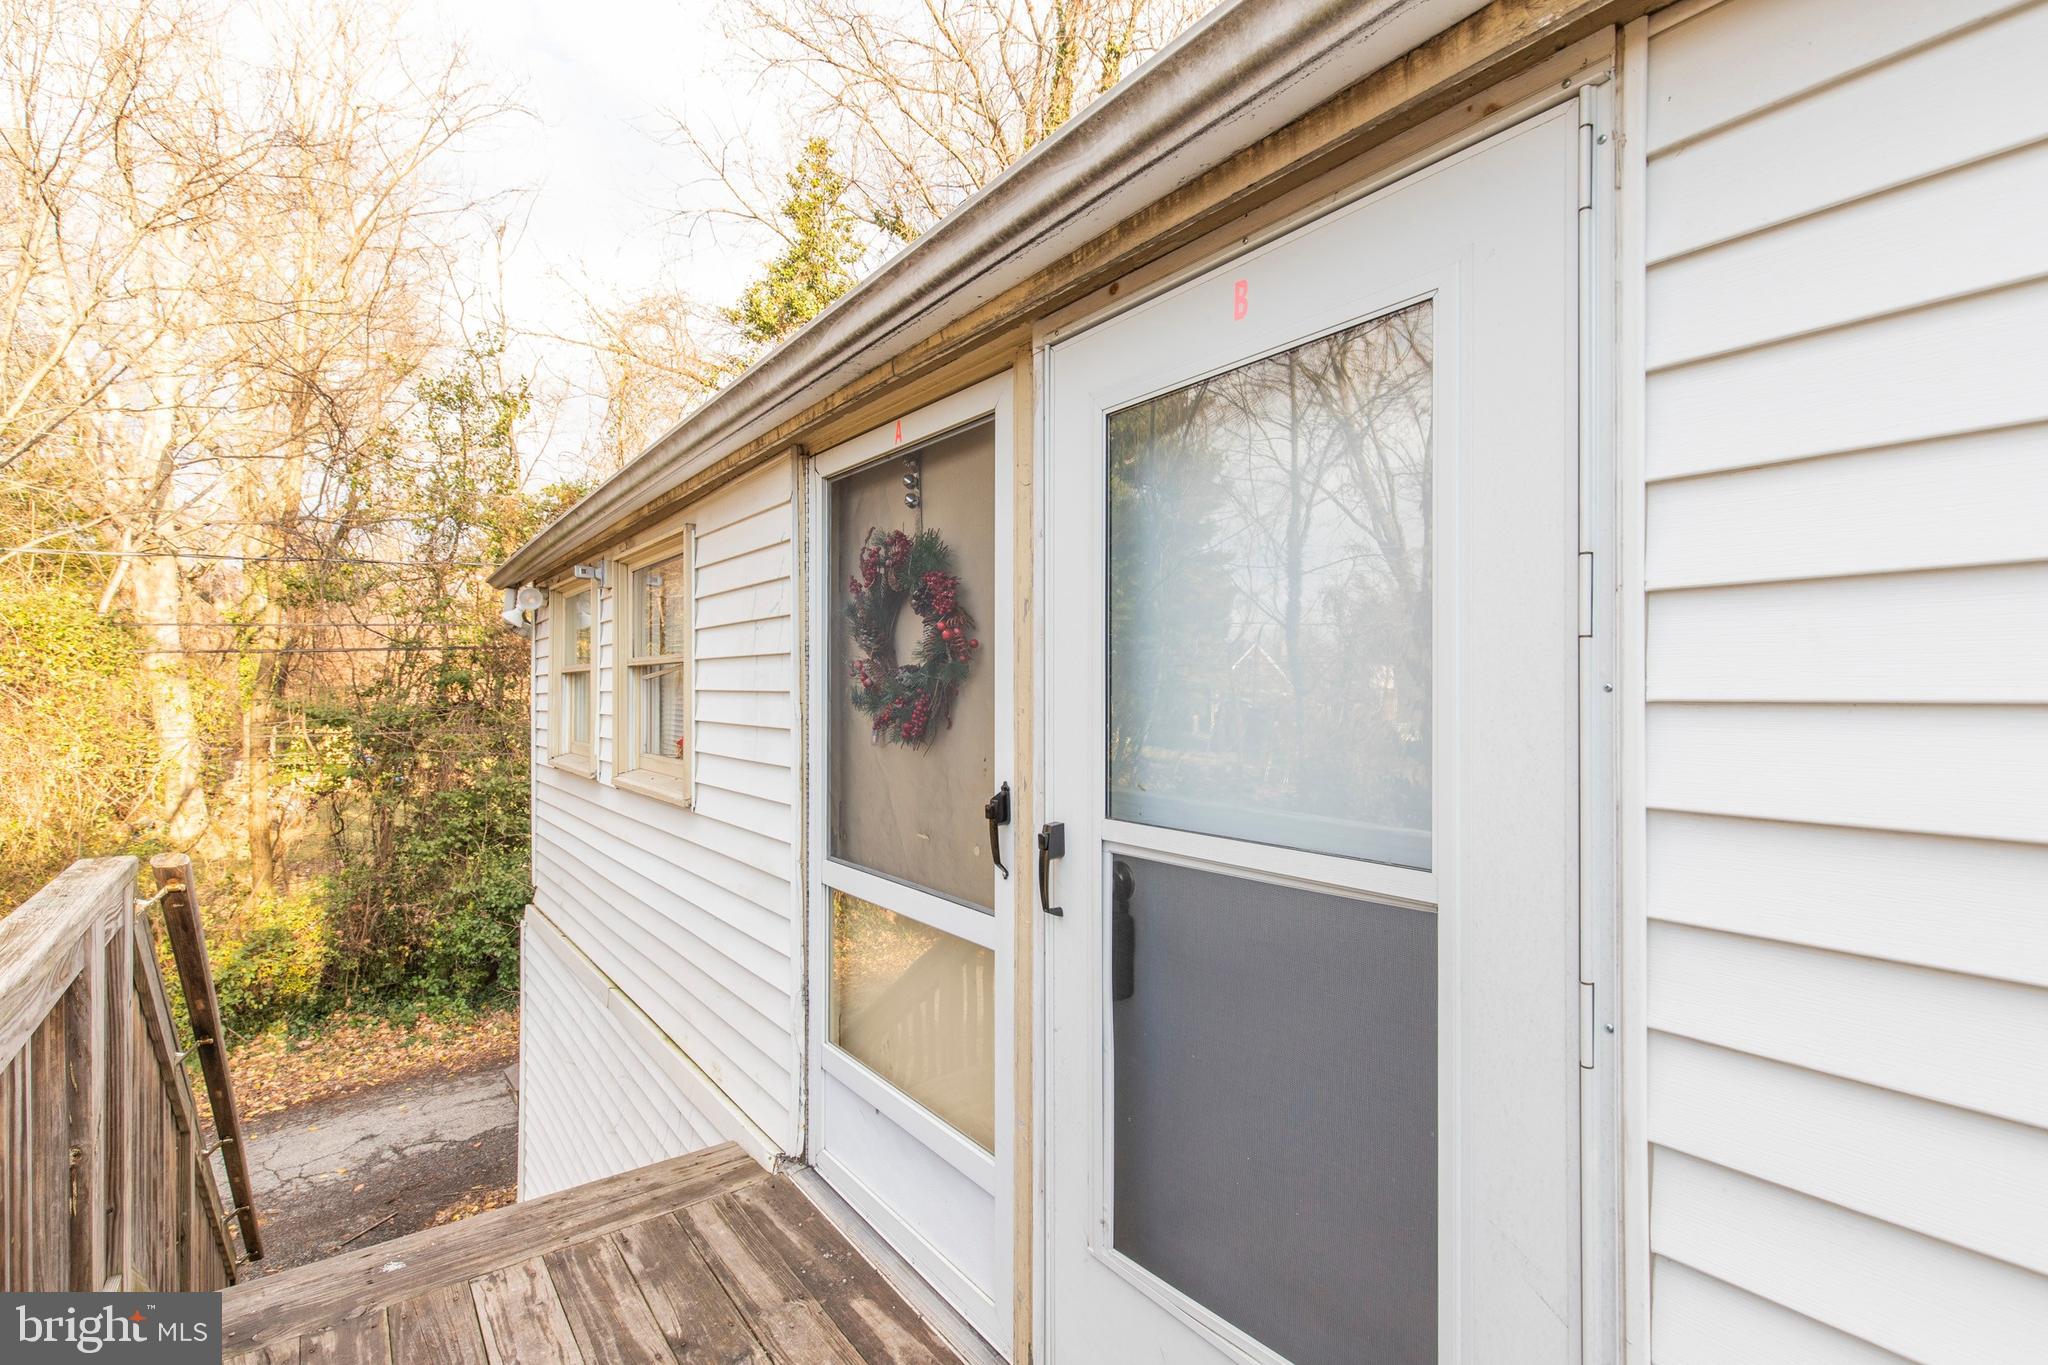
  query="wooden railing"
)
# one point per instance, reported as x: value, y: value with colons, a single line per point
x: 104, y: 1179
x: 933, y: 1027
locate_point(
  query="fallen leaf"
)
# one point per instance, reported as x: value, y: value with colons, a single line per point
x: 274, y: 1072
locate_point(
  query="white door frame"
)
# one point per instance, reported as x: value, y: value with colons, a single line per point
x: 1602, y: 1267
x: 986, y: 1307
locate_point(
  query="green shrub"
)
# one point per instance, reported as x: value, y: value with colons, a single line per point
x: 472, y: 948
x: 75, y: 744
x: 433, y: 866
x: 270, y: 956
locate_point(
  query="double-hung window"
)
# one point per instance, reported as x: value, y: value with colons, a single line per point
x: 575, y: 637
x: 656, y: 732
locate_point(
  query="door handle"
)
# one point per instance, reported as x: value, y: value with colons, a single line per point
x: 1052, y: 843
x: 997, y: 812
x: 1123, y: 934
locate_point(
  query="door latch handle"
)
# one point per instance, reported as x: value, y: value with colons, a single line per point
x: 997, y: 812
x: 1052, y: 843
x: 1123, y: 934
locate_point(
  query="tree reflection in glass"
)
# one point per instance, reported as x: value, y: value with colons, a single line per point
x: 1270, y: 598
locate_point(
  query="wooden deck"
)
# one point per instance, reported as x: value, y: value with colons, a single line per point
x: 705, y: 1258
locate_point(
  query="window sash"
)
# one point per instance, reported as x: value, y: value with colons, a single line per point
x: 643, y: 711
x: 572, y: 739
x: 637, y: 590
x: 643, y: 667
x: 573, y: 742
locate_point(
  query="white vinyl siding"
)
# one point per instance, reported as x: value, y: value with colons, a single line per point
x: 688, y: 913
x: 1847, y: 676
x: 594, y: 1097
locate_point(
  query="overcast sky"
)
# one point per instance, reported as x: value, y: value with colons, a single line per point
x: 598, y: 76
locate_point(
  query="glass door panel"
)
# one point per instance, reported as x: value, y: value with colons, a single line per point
x: 1270, y: 599
x: 916, y: 1006
x: 1273, y: 1054
x: 908, y: 784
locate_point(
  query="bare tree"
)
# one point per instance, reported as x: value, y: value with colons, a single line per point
x: 115, y: 162
x: 654, y: 355
x: 341, y: 256
x: 105, y: 169
x: 224, y: 267
x: 922, y: 104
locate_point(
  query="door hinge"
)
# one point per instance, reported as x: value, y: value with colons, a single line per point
x: 1588, y: 1024
x: 1585, y: 594
x: 1586, y: 165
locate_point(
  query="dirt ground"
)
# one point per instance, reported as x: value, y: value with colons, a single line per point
x: 365, y: 1167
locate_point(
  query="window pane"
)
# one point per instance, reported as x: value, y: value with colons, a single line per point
x: 576, y: 707
x: 579, y: 627
x: 912, y: 810
x: 1270, y: 597
x: 663, y: 596
x: 918, y: 1008
x: 663, y: 732
x: 1274, y: 1109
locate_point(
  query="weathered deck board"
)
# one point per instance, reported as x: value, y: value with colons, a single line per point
x: 850, y: 1290
x: 787, y: 1320
x: 699, y: 1320
x: 439, y: 1325
x: 522, y: 1315
x: 607, y: 1311
x: 360, y: 1340
x: 706, y: 1258
x: 296, y: 1301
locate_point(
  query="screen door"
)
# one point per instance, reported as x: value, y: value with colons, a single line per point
x: 1311, y: 629
x: 912, y: 703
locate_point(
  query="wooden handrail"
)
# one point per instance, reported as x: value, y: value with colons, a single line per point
x: 102, y: 1182
x: 42, y: 944
x: 173, y: 873
x: 163, y: 1046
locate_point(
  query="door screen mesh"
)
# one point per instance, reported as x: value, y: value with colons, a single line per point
x: 1275, y: 1110
x: 913, y: 812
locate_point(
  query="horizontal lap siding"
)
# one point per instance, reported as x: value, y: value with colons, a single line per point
x: 685, y: 913
x: 592, y: 1103
x: 1847, y: 673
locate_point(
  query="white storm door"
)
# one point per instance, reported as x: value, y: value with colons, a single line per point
x: 911, y: 1092
x: 1312, y: 1052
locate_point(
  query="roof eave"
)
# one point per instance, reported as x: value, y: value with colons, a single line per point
x: 1245, y: 71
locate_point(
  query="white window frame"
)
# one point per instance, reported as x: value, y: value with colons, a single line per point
x: 566, y: 750
x: 670, y: 778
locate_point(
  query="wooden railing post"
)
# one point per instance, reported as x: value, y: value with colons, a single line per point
x: 173, y: 873
x: 125, y: 1054
x: 85, y: 1058
x: 163, y: 1238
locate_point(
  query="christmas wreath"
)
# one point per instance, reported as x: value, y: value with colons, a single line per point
x: 903, y: 700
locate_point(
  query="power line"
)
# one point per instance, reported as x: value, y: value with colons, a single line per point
x: 247, y: 559
x: 293, y: 625
x: 327, y: 649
